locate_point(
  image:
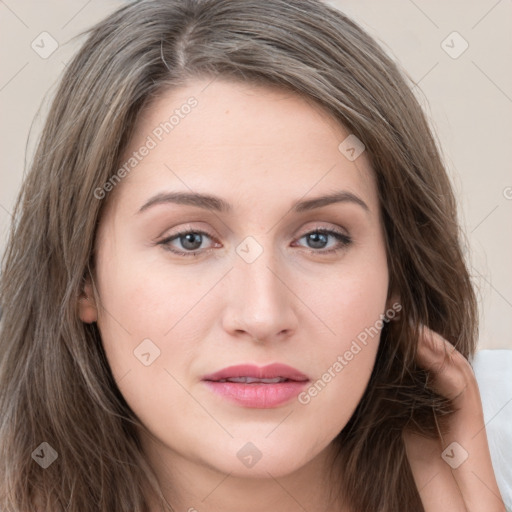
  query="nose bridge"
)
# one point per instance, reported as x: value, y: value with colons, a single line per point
x: 255, y: 268
x: 260, y: 304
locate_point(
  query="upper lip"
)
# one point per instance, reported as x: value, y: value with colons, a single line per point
x: 270, y: 371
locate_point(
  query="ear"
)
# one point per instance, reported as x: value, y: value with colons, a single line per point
x: 87, y: 309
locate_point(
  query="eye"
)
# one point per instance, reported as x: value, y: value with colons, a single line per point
x: 319, y: 238
x: 190, y: 240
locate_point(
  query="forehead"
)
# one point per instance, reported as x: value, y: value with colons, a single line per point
x: 221, y: 136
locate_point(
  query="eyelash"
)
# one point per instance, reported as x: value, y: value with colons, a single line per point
x: 342, y: 238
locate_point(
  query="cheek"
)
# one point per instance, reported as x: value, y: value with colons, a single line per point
x: 348, y: 301
x: 139, y: 313
x: 352, y: 307
x: 142, y: 292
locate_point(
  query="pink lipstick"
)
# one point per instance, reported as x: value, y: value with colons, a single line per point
x: 257, y: 387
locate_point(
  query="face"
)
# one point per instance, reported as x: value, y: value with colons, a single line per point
x: 268, y: 274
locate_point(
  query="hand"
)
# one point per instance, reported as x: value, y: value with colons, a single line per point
x: 462, y: 480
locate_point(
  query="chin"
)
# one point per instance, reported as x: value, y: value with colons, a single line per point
x: 258, y: 458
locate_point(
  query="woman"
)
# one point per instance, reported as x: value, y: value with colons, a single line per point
x: 235, y: 279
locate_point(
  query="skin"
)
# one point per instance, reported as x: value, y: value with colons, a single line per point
x: 471, y: 485
x: 260, y: 149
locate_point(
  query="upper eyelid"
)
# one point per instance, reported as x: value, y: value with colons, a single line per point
x: 206, y: 232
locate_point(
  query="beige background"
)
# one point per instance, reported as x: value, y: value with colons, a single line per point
x: 468, y: 98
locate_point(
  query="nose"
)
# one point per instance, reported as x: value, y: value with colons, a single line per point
x: 260, y: 304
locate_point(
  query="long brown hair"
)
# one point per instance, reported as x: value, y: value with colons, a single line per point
x: 55, y: 383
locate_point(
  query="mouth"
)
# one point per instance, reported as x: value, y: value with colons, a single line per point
x: 257, y: 387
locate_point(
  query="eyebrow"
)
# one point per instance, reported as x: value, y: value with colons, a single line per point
x: 214, y: 203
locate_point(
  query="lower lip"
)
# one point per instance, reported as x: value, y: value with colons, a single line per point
x: 257, y: 396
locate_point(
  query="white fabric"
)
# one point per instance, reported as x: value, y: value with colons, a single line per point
x: 493, y: 371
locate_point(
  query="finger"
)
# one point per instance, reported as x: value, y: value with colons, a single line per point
x: 450, y: 372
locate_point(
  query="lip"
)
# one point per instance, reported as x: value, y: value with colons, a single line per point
x: 270, y: 371
x: 257, y: 395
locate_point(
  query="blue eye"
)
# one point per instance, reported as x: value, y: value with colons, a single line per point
x: 319, y: 238
x: 191, y: 241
